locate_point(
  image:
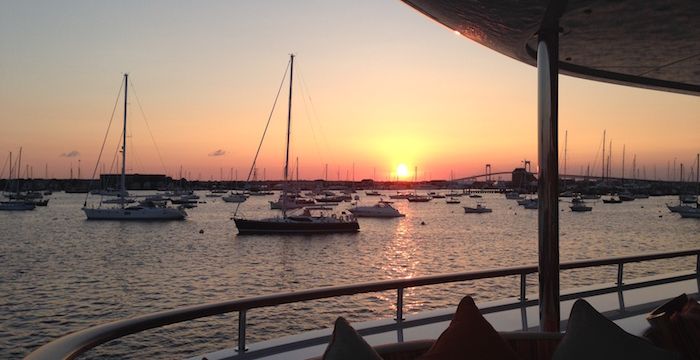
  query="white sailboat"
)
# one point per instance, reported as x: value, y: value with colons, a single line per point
x: 305, y: 223
x: 16, y: 204
x: 144, y: 211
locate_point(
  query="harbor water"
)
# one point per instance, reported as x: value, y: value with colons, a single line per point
x: 61, y: 273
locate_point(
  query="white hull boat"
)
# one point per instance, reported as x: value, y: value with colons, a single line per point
x: 379, y: 210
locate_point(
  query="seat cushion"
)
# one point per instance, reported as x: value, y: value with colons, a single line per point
x: 469, y: 336
x: 347, y: 344
x: 590, y: 335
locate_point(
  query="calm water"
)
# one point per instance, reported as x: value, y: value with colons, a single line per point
x: 61, y: 273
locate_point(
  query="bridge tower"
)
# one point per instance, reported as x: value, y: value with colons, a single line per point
x: 488, y: 172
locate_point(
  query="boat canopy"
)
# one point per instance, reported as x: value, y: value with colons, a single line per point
x: 654, y: 44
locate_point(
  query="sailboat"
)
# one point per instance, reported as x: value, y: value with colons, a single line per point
x: 299, y: 224
x: 15, y: 203
x: 147, y: 210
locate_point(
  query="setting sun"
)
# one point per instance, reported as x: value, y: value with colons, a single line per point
x: 401, y: 171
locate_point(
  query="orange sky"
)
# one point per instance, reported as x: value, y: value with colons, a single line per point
x: 387, y: 86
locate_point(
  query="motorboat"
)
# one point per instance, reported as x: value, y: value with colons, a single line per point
x: 16, y: 206
x: 531, y: 204
x: 436, y: 195
x: 419, y: 198
x: 513, y: 195
x: 478, y: 209
x: 290, y: 202
x: 626, y: 196
x: 235, y: 197
x: 453, y: 200
x: 475, y: 196
x: 688, y: 198
x: 372, y: 193
x: 580, y: 207
x: 399, y: 196
x: 380, y: 210
x: 590, y: 196
x: 690, y: 212
x: 677, y: 208
x: 612, y: 200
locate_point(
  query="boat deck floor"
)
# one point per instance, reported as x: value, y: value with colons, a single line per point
x: 627, y: 309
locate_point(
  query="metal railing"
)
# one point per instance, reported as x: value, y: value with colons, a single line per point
x: 74, y: 344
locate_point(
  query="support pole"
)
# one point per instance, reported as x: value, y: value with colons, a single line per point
x: 548, y: 184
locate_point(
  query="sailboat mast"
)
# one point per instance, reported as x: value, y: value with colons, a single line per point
x: 602, y: 171
x: 289, y: 126
x: 122, y: 184
x: 19, y: 167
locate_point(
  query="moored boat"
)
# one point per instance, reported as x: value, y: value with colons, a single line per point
x: 143, y: 211
x: 380, y: 210
x: 306, y: 223
x: 478, y: 209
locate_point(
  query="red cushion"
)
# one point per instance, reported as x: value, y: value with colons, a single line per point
x: 469, y: 336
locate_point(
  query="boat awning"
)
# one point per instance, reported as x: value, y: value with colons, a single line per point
x: 649, y: 44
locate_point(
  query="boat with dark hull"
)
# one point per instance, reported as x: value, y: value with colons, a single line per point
x: 301, y: 224
x: 305, y: 224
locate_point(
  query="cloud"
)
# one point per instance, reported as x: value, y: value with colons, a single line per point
x: 72, y: 153
x: 218, y: 152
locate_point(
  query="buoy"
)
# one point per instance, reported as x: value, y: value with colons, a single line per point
x: 422, y: 222
x: 661, y: 216
x: 201, y: 231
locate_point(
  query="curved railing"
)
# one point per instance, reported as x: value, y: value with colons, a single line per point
x: 74, y: 344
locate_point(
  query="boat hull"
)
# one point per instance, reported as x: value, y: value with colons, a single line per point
x: 135, y: 214
x: 17, y: 206
x: 690, y: 213
x: 289, y: 226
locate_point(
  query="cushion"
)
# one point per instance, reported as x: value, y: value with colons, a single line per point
x: 590, y: 335
x: 469, y: 336
x: 347, y: 344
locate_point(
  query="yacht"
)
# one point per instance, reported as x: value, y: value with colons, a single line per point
x: 579, y: 207
x: 612, y: 200
x: 478, y: 209
x: 306, y: 223
x: 235, y: 197
x: 419, y: 198
x: 145, y: 211
x: 513, y: 195
x: 380, y: 210
x: 690, y: 212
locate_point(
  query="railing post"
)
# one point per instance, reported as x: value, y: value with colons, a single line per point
x: 523, y: 284
x: 620, y: 294
x: 399, y: 304
x: 241, y: 331
x: 619, y: 274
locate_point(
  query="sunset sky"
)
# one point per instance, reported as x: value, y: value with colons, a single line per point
x: 378, y: 85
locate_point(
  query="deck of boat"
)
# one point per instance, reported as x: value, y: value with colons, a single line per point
x: 627, y: 308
